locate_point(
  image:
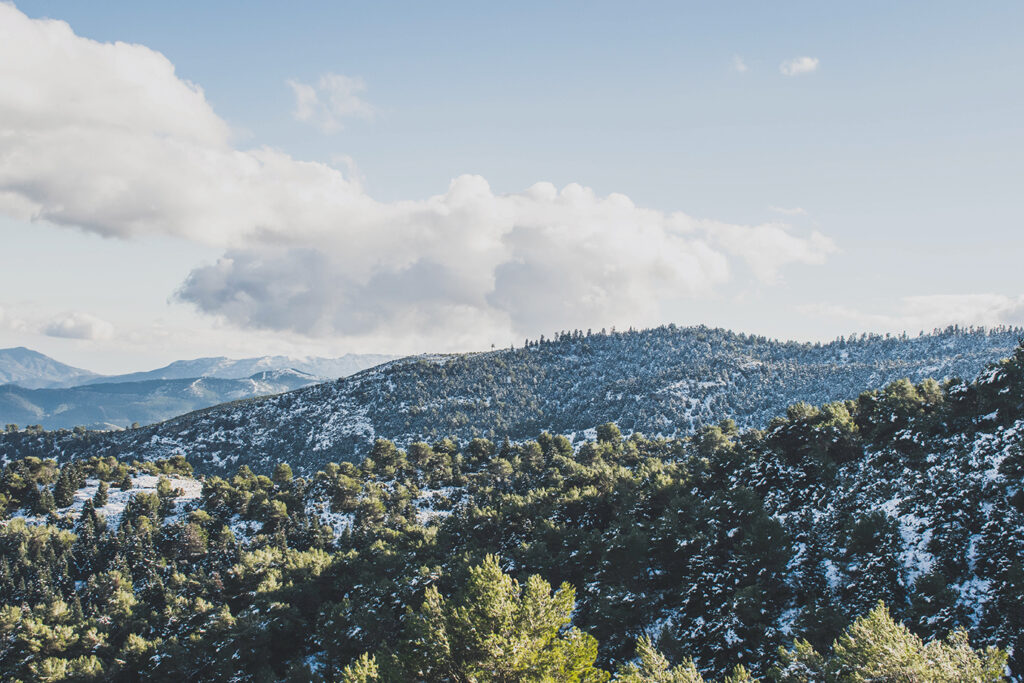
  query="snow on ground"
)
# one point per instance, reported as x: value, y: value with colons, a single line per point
x: 339, y: 522
x: 118, y: 499
x: 432, y: 504
x: 832, y: 575
x: 244, y: 529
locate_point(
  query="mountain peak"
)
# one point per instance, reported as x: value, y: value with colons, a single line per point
x: 34, y: 370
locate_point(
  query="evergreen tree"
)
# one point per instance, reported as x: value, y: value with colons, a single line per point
x: 100, y: 499
x: 877, y: 648
x: 64, y: 489
x: 44, y: 502
x: 363, y: 670
x: 282, y: 474
x: 498, y: 630
x: 654, y: 668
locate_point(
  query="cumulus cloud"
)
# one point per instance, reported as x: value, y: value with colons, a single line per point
x: 330, y: 100
x: 105, y: 137
x: 916, y: 313
x: 798, y: 66
x: 768, y: 248
x: 541, y: 259
x: 739, y: 65
x: 76, y: 325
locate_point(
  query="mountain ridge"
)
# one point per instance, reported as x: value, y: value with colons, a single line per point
x: 34, y: 370
x: 667, y: 380
x: 36, y: 389
x: 116, y: 405
x: 222, y: 367
x: 719, y: 548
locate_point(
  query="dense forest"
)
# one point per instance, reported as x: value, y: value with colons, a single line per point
x: 668, y: 381
x: 875, y: 538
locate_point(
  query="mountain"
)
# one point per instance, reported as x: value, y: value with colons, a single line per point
x: 229, y: 368
x: 33, y: 370
x: 116, y: 405
x: 37, y: 390
x: 667, y: 381
x: 723, y: 547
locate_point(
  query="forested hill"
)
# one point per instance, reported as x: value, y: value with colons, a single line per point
x: 664, y: 381
x: 723, y: 547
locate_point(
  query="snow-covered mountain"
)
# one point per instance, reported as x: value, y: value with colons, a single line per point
x: 35, y: 389
x: 115, y: 405
x: 722, y: 548
x: 662, y: 381
x: 34, y: 370
x: 231, y: 368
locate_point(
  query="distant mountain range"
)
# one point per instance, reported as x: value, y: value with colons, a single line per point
x: 112, y: 405
x: 228, y: 368
x: 38, y: 390
x: 667, y: 381
x: 33, y: 370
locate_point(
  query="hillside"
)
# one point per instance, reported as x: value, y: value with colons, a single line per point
x: 661, y: 381
x: 722, y: 547
x: 117, y: 405
x: 34, y: 370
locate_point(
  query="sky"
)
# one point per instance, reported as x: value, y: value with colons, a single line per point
x: 318, y: 178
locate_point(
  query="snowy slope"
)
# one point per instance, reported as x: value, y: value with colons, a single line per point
x: 662, y: 381
x: 118, y: 499
x: 721, y: 549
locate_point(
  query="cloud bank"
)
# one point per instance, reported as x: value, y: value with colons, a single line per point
x: 77, y: 325
x: 107, y: 138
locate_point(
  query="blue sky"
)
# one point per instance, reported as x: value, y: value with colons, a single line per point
x: 878, y: 190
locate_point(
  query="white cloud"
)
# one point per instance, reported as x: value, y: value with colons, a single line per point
x: 789, y: 211
x: 738, y: 65
x: 105, y: 137
x: 799, y: 65
x: 76, y: 325
x: 917, y: 313
x: 11, y: 321
x: 768, y: 248
x: 332, y: 99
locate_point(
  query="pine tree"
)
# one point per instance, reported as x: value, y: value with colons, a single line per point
x: 100, y: 499
x: 499, y: 630
x: 363, y: 670
x: 44, y: 501
x: 739, y: 674
x: 877, y: 648
x: 86, y: 545
x: 654, y: 668
x: 282, y: 474
x: 64, y: 489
